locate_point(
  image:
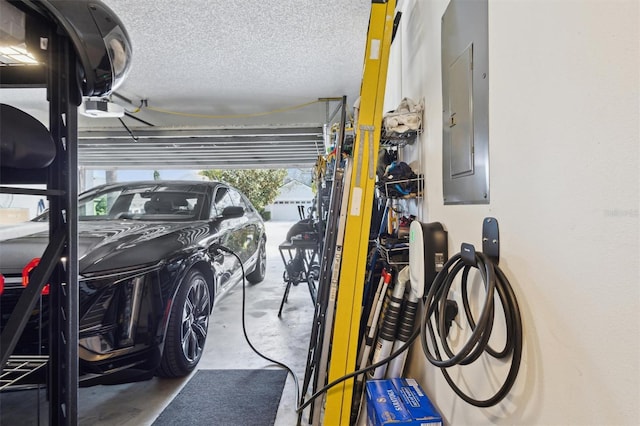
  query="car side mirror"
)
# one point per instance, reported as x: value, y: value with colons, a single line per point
x: 232, y: 212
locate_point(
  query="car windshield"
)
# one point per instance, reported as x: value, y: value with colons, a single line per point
x: 159, y: 202
x: 146, y: 202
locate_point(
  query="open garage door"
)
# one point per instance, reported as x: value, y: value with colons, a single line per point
x: 240, y: 148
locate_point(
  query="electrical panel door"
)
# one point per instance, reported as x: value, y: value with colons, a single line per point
x: 465, y: 98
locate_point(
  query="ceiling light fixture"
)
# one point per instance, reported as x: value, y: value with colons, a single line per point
x: 13, y: 47
x: 13, y: 55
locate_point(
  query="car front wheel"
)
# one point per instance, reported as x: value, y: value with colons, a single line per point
x: 187, y: 329
x: 261, y: 265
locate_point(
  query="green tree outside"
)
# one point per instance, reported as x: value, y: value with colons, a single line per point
x: 100, y: 206
x: 259, y: 185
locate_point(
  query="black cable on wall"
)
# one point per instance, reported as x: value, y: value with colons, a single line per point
x: 435, y: 323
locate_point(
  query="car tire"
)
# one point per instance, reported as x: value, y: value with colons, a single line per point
x: 260, y: 270
x: 187, y: 328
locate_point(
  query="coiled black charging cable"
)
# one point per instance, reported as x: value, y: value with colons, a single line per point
x: 435, y: 305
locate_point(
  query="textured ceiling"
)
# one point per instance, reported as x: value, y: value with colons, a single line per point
x: 242, y: 57
x: 224, y: 64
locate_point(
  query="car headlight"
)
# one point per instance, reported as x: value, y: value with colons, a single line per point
x: 109, y: 322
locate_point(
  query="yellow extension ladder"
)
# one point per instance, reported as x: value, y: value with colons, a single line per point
x: 344, y: 344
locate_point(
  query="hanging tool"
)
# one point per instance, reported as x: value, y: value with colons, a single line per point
x: 368, y: 301
x: 405, y: 327
x: 369, y: 338
x: 392, y: 312
x: 372, y: 323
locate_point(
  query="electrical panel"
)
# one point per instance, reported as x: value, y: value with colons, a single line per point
x: 465, y: 96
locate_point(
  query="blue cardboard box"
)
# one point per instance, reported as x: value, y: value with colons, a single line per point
x: 384, y: 406
x: 399, y: 401
x: 416, y: 401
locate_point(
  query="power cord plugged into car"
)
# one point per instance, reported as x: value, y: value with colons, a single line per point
x: 299, y: 408
x: 218, y: 248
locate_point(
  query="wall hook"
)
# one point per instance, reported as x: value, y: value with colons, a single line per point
x: 491, y: 239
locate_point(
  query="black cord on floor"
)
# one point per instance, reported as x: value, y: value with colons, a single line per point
x: 244, y: 326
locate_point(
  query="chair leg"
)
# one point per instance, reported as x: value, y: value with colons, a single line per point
x: 313, y: 290
x: 284, y: 297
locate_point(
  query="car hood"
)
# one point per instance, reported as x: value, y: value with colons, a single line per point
x: 109, y: 245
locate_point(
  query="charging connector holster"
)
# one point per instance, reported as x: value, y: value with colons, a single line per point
x: 435, y: 249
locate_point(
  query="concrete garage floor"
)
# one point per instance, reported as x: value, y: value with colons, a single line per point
x: 284, y: 339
